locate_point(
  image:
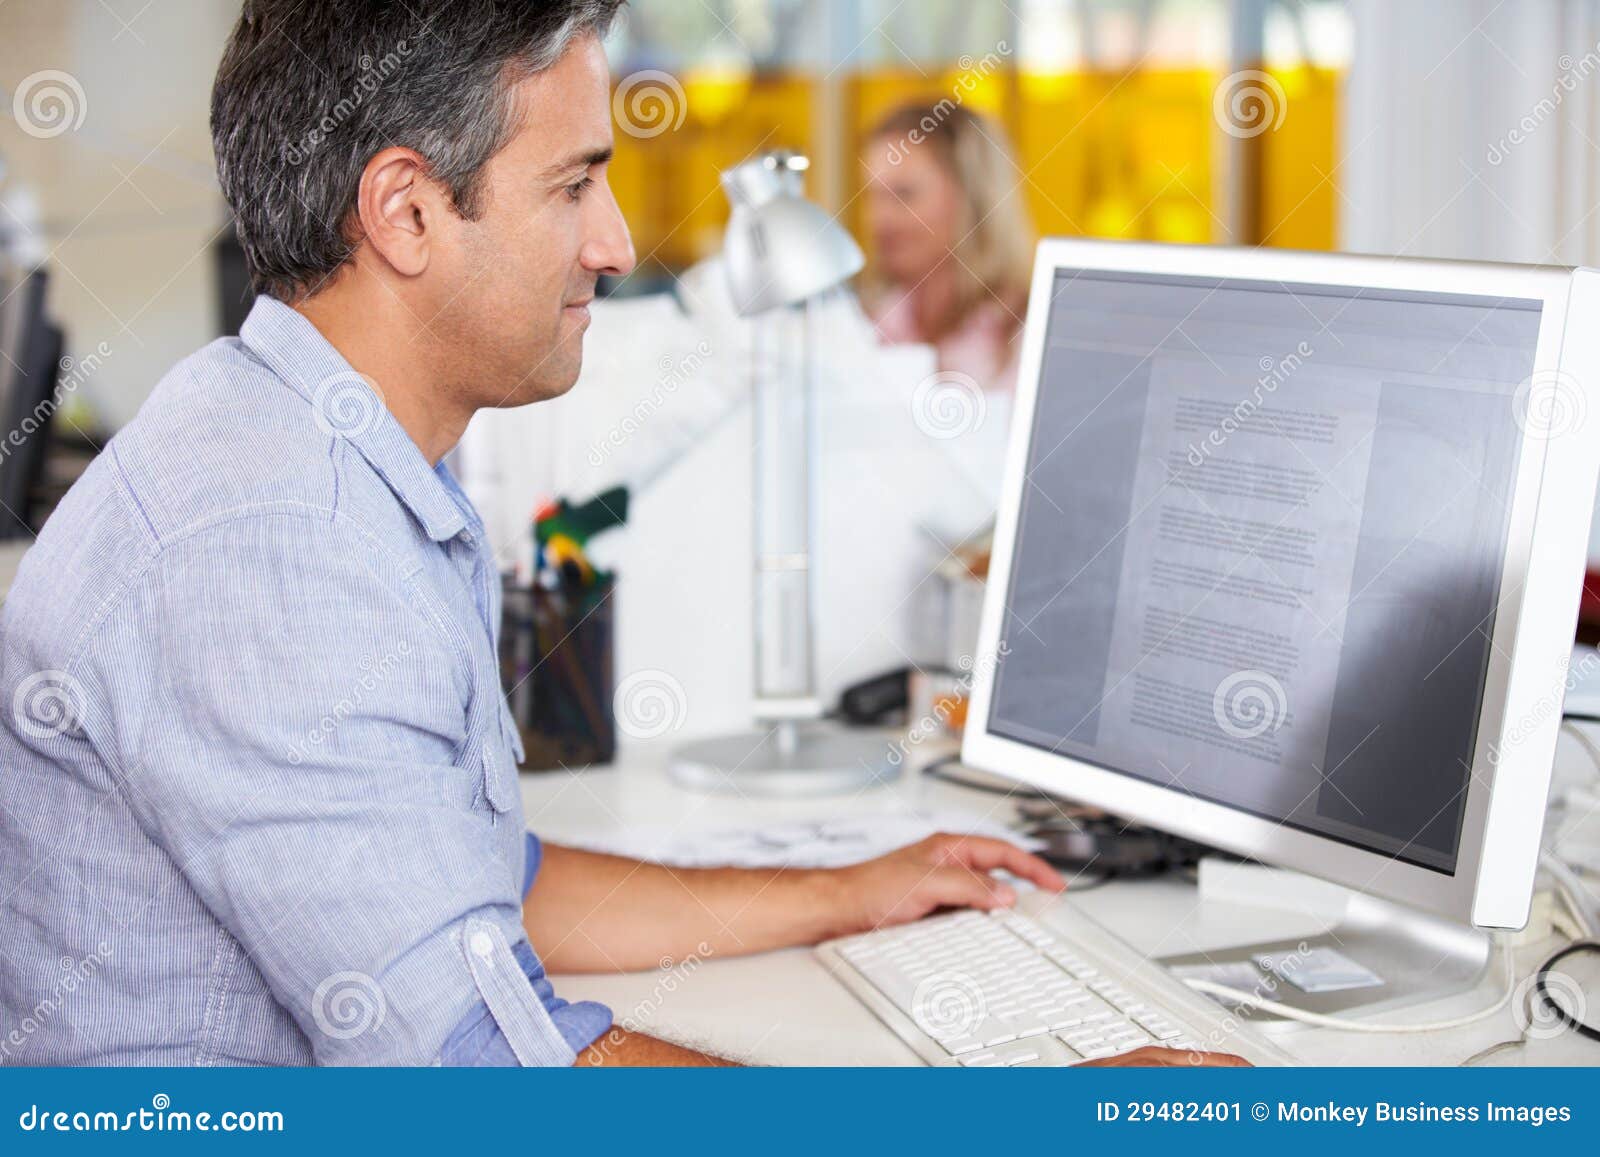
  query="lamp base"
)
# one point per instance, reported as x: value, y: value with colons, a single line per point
x: 787, y: 759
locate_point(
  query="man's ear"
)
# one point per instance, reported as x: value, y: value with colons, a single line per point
x: 400, y: 210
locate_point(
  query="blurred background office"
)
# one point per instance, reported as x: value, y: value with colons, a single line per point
x: 943, y: 134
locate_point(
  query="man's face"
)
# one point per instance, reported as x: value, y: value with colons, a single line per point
x: 509, y: 301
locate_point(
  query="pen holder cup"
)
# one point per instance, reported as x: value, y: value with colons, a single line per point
x: 556, y: 662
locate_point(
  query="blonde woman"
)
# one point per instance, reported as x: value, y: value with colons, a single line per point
x: 950, y: 239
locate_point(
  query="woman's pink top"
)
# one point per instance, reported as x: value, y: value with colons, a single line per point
x: 981, y: 346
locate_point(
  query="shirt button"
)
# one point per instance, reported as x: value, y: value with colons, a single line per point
x: 482, y: 945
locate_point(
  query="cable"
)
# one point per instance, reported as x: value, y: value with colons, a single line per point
x: 1583, y: 736
x: 1539, y: 992
x: 1566, y: 927
x: 1485, y: 1054
x: 1542, y: 991
x: 1573, y: 892
x: 1289, y: 1012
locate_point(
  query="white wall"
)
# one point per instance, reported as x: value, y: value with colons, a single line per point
x: 129, y: 202
x: 1471, y: 130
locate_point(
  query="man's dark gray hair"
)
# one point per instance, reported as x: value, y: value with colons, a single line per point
x: 309, y: 91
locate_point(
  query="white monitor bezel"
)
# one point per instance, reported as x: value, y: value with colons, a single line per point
x: 1552, y: 501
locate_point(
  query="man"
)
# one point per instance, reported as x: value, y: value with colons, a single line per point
x: 260, y: 797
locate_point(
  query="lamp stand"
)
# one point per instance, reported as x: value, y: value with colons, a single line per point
x: 792, y: 758
x: 796, y: 752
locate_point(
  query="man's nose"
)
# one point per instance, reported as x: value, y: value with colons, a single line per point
x: 609, y: 249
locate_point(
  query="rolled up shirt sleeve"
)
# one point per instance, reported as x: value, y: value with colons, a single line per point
x: 478, y: 1039
x: 308, y: 763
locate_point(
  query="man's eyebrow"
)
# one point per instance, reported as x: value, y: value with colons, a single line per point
x: 581, y: 160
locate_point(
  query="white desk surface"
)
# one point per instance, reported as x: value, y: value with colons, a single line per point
x: 783, y: 1008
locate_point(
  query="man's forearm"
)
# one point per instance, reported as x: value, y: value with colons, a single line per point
x: 625, y: 1049
x: 589, y: 912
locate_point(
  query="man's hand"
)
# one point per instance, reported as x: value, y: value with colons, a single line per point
x: 942, y: 871
x: 1160, y: 1058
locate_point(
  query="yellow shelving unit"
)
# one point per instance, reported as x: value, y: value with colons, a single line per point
x: 1103, y: 154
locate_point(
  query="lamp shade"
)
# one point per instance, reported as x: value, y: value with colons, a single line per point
x: 780, y: 249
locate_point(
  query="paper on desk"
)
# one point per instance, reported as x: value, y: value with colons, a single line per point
x: 829, y: 842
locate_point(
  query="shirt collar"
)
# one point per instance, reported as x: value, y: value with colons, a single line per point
x: 287, y: 341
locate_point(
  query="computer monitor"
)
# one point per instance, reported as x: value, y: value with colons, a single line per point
x: 1289, y: 554
x: 13, y: 299
x: 30, y: 348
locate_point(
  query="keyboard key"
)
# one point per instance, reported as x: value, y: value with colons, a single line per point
x: 1159, y: 1028
x: 1127, y: 1045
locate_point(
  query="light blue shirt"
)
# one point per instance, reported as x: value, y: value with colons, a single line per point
x: 258, y: 783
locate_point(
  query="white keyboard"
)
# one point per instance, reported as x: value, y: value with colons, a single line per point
x: 1003, y: 989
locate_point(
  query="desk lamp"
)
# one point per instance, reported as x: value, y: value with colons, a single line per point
x: 781, y: 254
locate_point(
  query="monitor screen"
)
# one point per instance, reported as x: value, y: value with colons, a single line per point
x: 1259, y: 545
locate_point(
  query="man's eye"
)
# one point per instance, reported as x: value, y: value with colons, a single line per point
x: 577, y: 188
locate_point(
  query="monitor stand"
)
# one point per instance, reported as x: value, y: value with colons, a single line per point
x: 1412, y: 956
